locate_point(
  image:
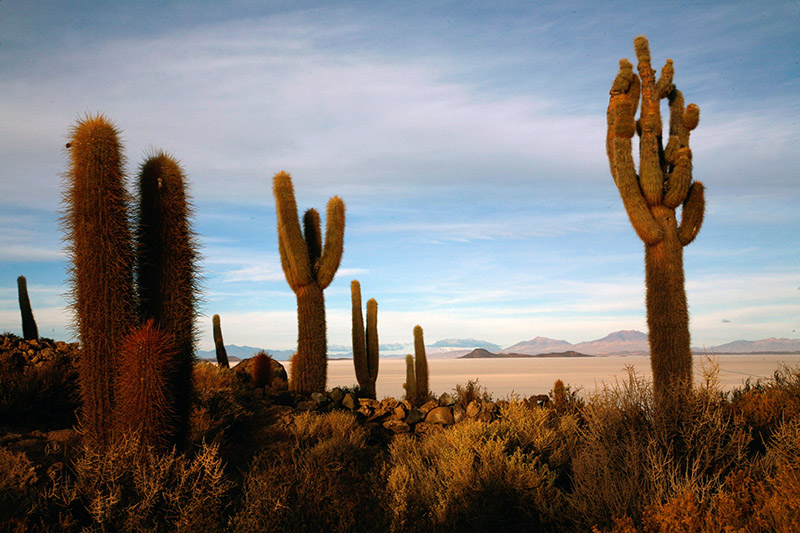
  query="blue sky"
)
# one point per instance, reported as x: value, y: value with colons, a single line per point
x: 466, y: 141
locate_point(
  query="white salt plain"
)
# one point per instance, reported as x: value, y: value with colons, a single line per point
x: 528, y: 376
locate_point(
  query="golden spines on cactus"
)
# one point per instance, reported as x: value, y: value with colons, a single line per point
x: 100, y: 250
x: 309, y: 267
x: 663, y: 183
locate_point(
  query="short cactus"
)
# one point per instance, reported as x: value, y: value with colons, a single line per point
x: 29, y: 329
x: 219, y: 344
x: 145, y: 399
x: 365, y: 347
x: 651, y: 198
x: 261, y: 372
x: 309, y: 268
x: 100, y: 250
x: 411, y: 379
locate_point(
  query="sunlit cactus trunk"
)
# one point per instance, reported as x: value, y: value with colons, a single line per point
x: 365, y: 342
x: 651, y: 197
x: 309, y: 268
x: 100, y: 249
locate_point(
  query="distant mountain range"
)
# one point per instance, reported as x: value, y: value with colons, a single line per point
x: 625, y: 342
x: 480, y: 353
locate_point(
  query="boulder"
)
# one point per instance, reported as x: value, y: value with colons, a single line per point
x: 440, y: 415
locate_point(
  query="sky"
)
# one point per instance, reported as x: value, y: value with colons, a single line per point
x: 465, y: 138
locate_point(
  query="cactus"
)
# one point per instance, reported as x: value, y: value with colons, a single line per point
x: 650, y: 198
x: 365, y: 348
x: 420, y: 365
x: 261, y: 373
x: 559, y: 396
x: 219, y: 344
x: 29, y: 329
x: 411, y: 379
x: 309, y: 268
x: 145, y: 400
x: 166, y: 271
x: 100, y: 250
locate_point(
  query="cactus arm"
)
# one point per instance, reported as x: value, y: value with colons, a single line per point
x: 334, y: 242
x: 294, y: 253
x: 692, y: 215
x: 373, y: 349
x: 622, y: 106
x: 650, y: 174
x: 312, y: 233
x: 679, y: 179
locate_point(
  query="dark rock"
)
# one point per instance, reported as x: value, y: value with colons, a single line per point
x: 396, y: 426
x: 350, y: 401
x: 446, y: 400
x: 415, y: 416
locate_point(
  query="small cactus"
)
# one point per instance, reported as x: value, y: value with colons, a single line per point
x: 219, y: 344
x: 145, y: 399
x: 559, y: 395
x: 411, y: 379
x: 309, y: 268
x: 365, y: 347
x: 29, y: 329
x: 261, y: 372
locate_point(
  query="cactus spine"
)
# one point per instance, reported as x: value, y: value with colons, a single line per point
x: 365, y: 348
x: 650, y: 198
x: 166, y: 267
x: 421, y: 365
x: 219, y: 344
x: 145, y: 399
x: 309, y: 268
x: 411, y: 379
x: 29, y: 329
x: 101, y: 264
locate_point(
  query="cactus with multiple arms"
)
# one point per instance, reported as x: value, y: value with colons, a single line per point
x: 651, y: 198
x: 29, y: 329
x: 219, y: 344
x: 101, y: 270
x: 365, y: 347
x: 166, y: 271
x: 309, y: 268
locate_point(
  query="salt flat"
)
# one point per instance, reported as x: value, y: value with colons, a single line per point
x: 528, y: 376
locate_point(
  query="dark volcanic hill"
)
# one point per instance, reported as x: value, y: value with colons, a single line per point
x: 480, y: 353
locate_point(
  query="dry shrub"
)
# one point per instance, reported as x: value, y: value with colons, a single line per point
x: 478, y: 475
x: 126, y: 488
x: 471, y: 391
x: 218, y: 409
x: 17, y: 484
x: 628, y: 462
x: 323, y: 481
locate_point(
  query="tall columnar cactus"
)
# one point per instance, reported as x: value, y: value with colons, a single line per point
x: 29, y: 329
x: 100, y: 249
x: 365, y: 347
x: 145, y: 398
x: 411, y: 379
x: 663, y: 184
x: 309, y: 268
x: 421, y: 364
x: 219, y: 344
x: 166, y: 271
x: 261, y: 372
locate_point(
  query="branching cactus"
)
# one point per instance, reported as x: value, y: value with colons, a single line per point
x: 145, y: 399
x: 166, y: 271
x: 420, y: 364
x: 219, y: 344
x: 309, y: 268
x: 29, y: 329
x: 100, y: 250
x: 651, y: 197
x: 365, y: 343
